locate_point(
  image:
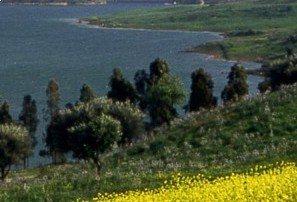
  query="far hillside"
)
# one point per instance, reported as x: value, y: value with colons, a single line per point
x: 253, y: 30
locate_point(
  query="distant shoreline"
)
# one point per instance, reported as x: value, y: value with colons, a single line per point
x: 258, y: 72
x: 51, y: 4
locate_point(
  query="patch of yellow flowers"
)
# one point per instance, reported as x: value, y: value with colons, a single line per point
x: 278, y: 183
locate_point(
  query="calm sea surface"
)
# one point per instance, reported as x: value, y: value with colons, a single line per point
x: 38, y: 43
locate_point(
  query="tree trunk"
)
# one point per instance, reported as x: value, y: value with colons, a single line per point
x: 98, y: 165
x: 4, y: 172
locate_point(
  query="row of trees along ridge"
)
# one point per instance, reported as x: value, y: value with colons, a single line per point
x: 95, y: 125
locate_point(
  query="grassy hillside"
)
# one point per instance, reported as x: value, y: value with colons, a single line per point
x: 254, y: 30
x: 260, y: 130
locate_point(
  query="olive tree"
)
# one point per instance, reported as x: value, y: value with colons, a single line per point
x: 15, y: 146
x: 91, y: 138
x: 97, y: 126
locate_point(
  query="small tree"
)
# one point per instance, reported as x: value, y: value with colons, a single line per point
x: 96, y: 126
x: 162, y: 97
x: 202, y: 91
x: 15, y: 145
x: 86, y: 93
x: 92, y: 138
x: 121, y: 89
x: 237, y: 86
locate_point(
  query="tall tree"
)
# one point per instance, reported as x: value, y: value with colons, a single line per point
x: 53, y: 135
x: 141, y: 79
x: 162, y: 97
x: 121, y: 89
x: 201, y: 91
x: 28, y: 118
x: 15, y: 145
x: 53, y: 99
x: 86, y: 93
x: 237, y: 86
x: 158, y: 68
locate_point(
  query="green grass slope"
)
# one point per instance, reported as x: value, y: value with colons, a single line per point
x: 260, y: 130
x: 254, y: 30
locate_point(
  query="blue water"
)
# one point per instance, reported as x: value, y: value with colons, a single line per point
x: 38, y: 43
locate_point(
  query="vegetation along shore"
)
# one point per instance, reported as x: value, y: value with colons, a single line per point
x: 253, y: 30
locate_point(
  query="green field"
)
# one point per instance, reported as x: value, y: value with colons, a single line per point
x: 254, y: 30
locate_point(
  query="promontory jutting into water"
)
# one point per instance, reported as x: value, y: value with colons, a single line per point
x: 39, y: 43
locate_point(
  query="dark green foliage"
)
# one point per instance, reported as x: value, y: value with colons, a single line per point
x: 237, y: 86
x: 158, y: 68
x: 53, y: 99
x: 86, y: 93
x: 92, y: 128
x: 141, y: 80
x: 57, y: 138
x: 281, y: 72
x: 53, y: 137
x: 162, y: 97
x: 15, y: 145
x: 121, y: 89
x: 159, y: 92
x: 202, y: 91
x: 28, y: 117
x: 5, y: 117
x: 92, y: 138
x: 91, y: 131
x: 131, y: 121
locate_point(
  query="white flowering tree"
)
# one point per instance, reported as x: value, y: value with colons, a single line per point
x: 15, y: 146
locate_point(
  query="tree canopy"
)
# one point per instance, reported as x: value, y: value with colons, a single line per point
x: 15, y: 146
x: 86, y: 93
x: 279, y: 72
x: 201, y: 91
x: 162, y: 97
x: 237, y: 86
x: 121, y: 89
x: 28, y: 117
x: 95, y: 127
